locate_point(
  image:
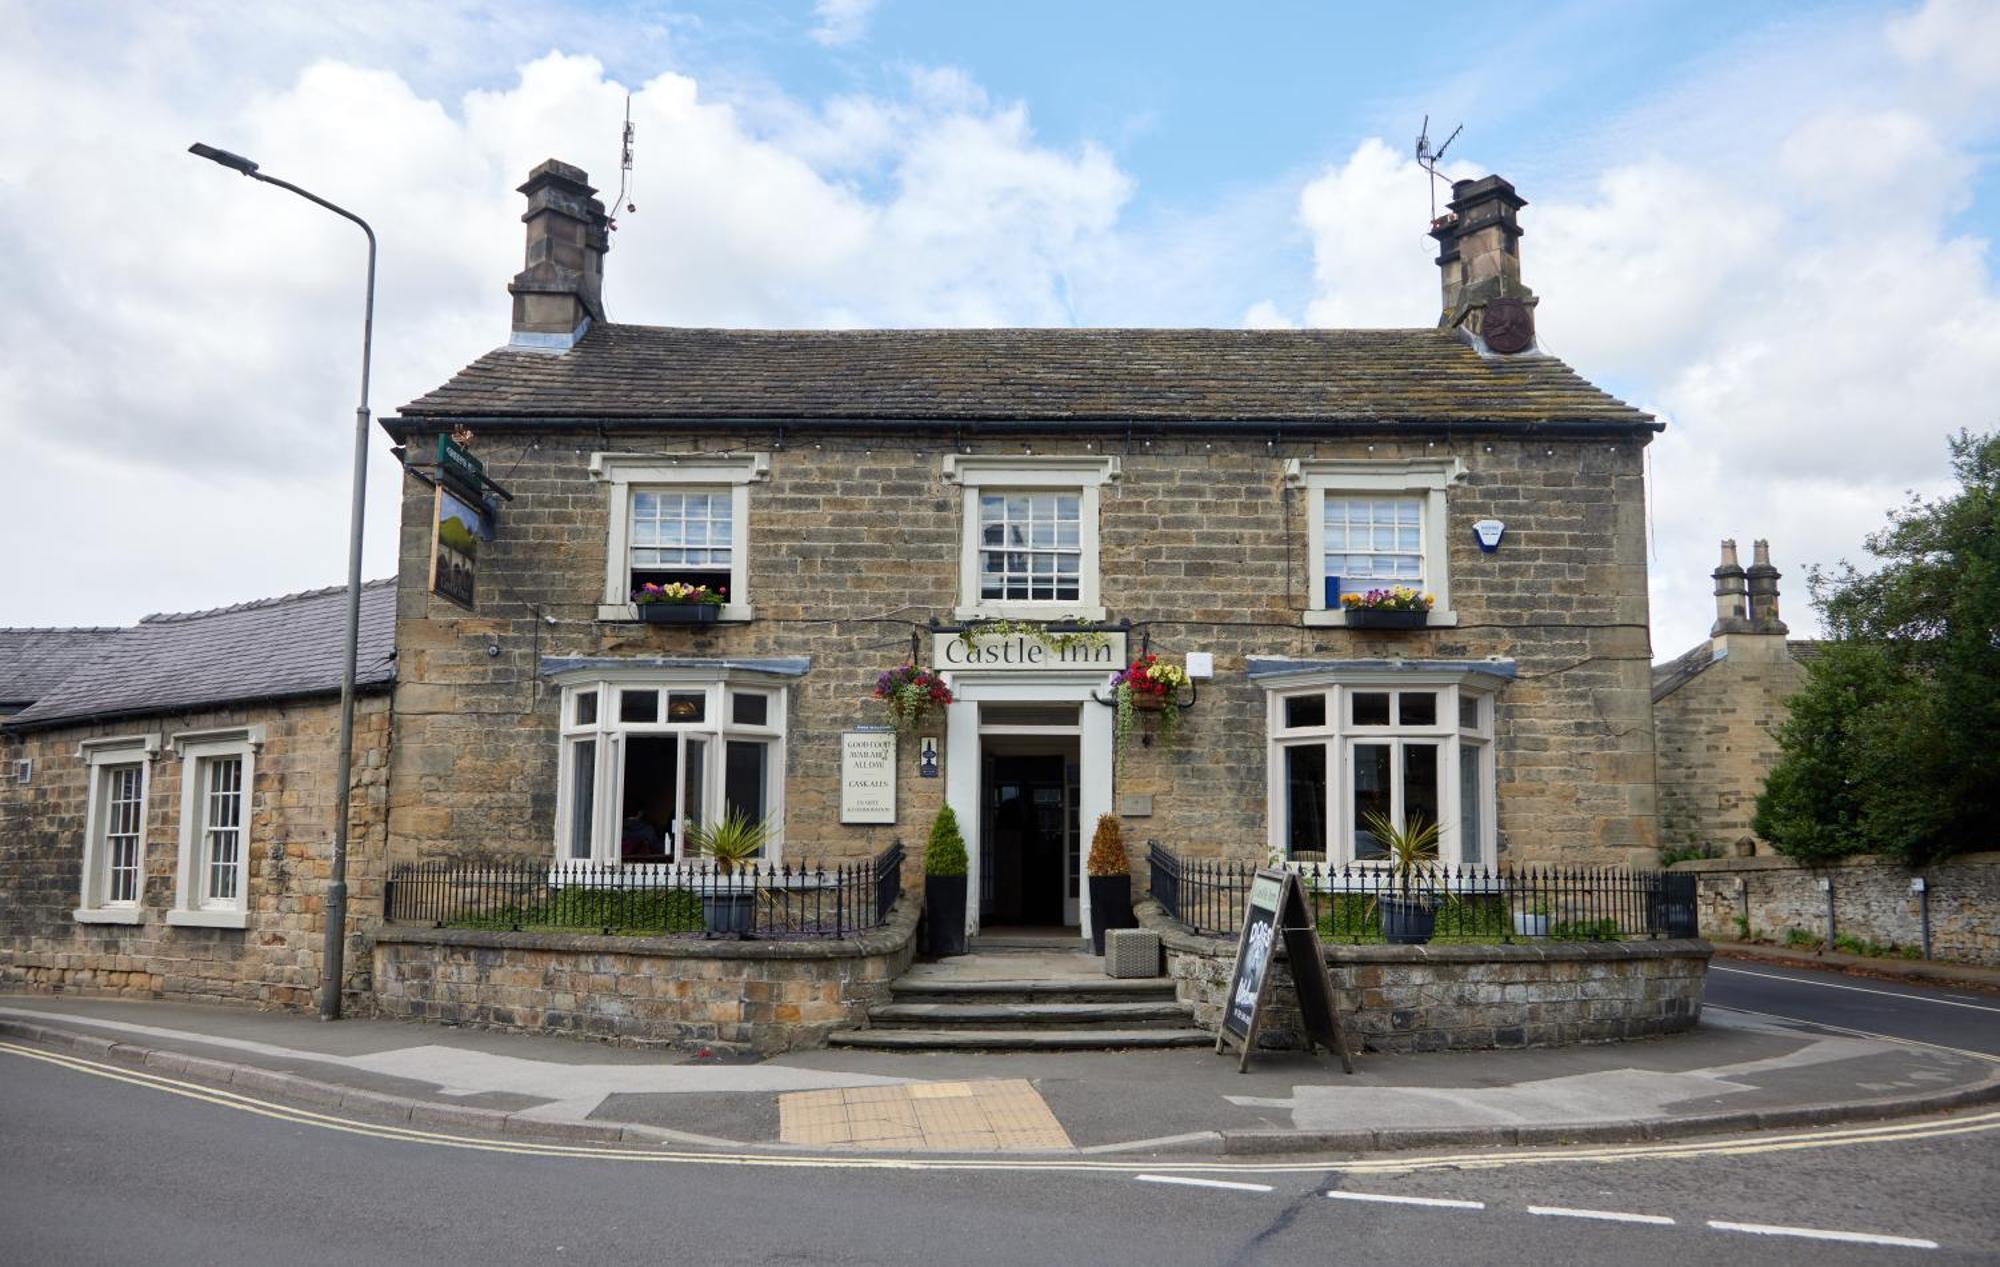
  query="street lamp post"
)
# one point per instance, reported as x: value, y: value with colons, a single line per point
x: 334, y: 954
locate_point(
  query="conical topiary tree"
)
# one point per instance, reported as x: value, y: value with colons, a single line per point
x: 1107, y: 848
x: 944, y: 854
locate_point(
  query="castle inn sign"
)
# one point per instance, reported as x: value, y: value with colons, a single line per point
x: 973, y: 650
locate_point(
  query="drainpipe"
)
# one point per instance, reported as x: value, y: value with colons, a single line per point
x: 1923, y: 892
x: 1826, y: 887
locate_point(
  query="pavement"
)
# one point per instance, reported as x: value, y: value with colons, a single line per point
x: 1745, y: 1067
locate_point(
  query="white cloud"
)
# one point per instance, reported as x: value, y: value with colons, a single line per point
x: 1810, y: 325
x: 841, y: 21
x: 192, y: 359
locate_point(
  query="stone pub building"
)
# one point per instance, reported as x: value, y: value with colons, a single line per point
x: 867, y: 498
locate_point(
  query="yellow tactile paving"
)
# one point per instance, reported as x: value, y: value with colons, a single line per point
x: 1003, y: 1115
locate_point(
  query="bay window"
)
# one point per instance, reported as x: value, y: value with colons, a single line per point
x: 1350, y: 742
x: 649, y: 754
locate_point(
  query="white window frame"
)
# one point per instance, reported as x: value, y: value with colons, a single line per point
x: 717, y: 728
x: 100, y: 756
x: 626, y: 473
x: 1339, y: 735
x: 1427, y: 478
x: 1084, y: 475
x: 197, y: 749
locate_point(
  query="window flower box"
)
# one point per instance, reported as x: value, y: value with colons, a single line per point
x: 679, y: 613
x: 678, y: 604
x: 1398, y: 607
x: 1371, y: 618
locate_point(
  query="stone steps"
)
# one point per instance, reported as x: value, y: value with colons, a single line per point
x: 1146, y: 1015
x: 978, y: 1003
x: 1024, y: 1039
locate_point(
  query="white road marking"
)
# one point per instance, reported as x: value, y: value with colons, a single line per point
x: 1857, y: 1033
x: 1204, y: 1183
x: 1390, y: 1199
x: 1858, y: 989
x: 1609, y: 1216
x: 1822, y: 1234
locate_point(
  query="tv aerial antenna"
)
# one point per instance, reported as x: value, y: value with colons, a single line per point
x: 624, y: 167
x: 1428, y: 158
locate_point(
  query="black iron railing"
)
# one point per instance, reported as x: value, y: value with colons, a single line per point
x: 1462, y: 904
x: 688, y: 899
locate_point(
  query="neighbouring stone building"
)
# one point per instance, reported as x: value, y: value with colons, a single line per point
x: 867, y: 498
x: 1717, y: 709
x: 167, y: 811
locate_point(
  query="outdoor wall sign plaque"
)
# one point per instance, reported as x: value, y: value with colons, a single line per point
x: 1276, y: 911
x: 868, y: 776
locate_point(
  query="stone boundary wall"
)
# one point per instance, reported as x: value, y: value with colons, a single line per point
x: 759, y: 996
x: 1462, y: 998
x: 1871, y: 900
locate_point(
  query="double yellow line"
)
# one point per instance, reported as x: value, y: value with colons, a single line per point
x: 1835, y: 1138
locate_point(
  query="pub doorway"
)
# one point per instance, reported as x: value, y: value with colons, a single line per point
x: 1029, y: 826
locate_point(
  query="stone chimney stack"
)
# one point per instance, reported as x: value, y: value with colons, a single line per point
x: 560, y: 291
x: 1479, y: 263
x: 1763, y: 580
x: 1731, y: 614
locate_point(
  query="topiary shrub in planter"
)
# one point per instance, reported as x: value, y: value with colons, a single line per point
x: 944, y: 886
x: 1110, y: 874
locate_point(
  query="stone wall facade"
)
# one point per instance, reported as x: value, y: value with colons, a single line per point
x: 756, y: 996
x: 854, y: 542
x: 1872, y: 900
x: 1463, y: 998
x: 1717, y: 736
x: 274, y: 960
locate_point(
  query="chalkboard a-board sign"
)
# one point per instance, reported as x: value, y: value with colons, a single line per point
x: 1276, y: 911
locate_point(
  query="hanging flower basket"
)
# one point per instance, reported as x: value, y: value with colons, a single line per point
x: 1147, y: 685
x: 914, y: 696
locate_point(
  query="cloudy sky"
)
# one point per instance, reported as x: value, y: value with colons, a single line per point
x: 1765, y: 222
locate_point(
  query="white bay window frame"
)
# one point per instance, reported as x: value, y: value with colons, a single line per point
x: 1428, y: 479
x: 105, y: 761
x: 624, y: 474
x: 196, y: 905
x: 604, y: 737
x: 1082, y: 475
x: 1338, y: 736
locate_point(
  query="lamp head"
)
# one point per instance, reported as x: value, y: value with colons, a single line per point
x: 235, y: 162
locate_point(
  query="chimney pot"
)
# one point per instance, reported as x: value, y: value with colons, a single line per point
x: 1730, y: 611
x: 1479, y: 261
x: 559, y: 292
x: 1763, y: 591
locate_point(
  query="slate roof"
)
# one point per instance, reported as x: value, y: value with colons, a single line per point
x: 1138, y: 375
x: 1692, y: 663
x: 33, y: 661
x: 268, y: 649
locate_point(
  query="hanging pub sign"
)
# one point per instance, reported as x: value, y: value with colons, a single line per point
x: 454, y: 547
x: 1276, y: 911
x: 868, y: 776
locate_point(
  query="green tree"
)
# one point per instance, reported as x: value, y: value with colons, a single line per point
x: 1894, y: 745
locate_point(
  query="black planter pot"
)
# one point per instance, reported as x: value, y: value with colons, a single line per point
x: 1376, y: 618
x: 944, y: 914
x: 679, y: 613
x: 1110, y: 907
x: 1407, y: 921
x: 727, y: 913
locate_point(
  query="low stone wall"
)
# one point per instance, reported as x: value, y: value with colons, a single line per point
x: 760, y: 996
x: 1872, y: 899
x: 1463, y: 998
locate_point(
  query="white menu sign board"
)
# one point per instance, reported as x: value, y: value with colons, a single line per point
x: 868, y: 776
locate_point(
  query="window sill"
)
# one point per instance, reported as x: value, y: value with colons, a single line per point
x: 108, y: 915
x: 1333, y: 618
x: 1049, y: 613
x: 628, y: 613
x: 209, y: 919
